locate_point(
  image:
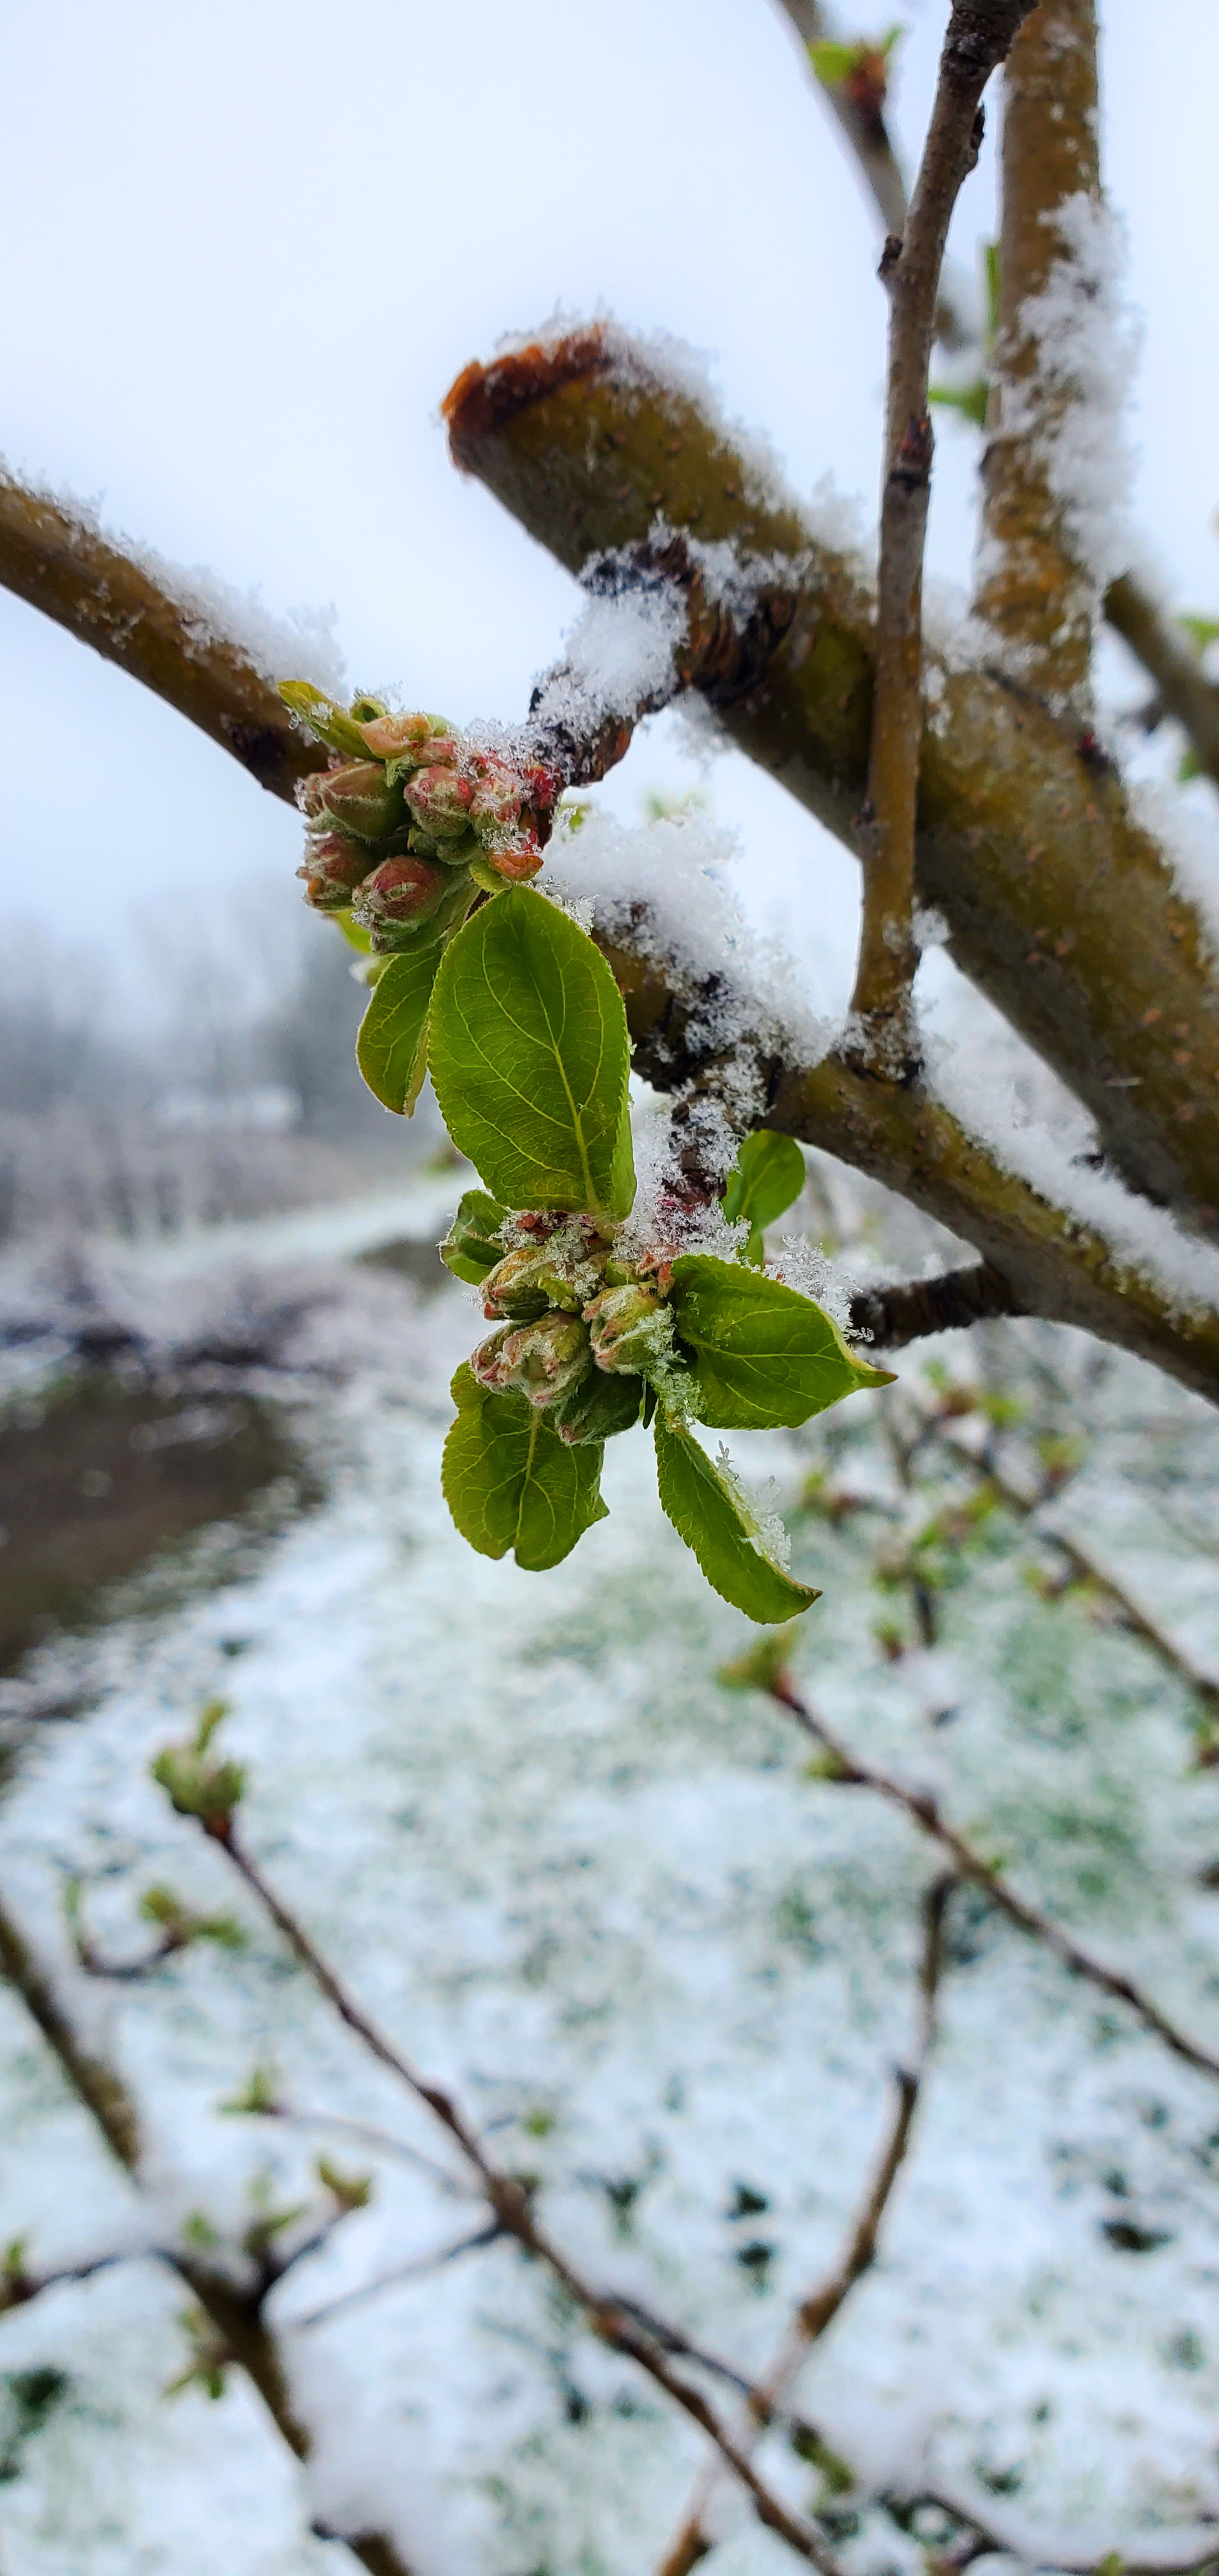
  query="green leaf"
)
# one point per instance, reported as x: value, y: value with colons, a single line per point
x: 1204, y: 630
x: 972, y: 401
x: 763, y: 1356
x: 472, y: 1245
x: 391, y: 1049
x: 712, y: 1517
x: 529, y: 1055
x: 353, y: 931
x: 598, y: 1408
x: 510, y: 1482
x: 329, y: 722
x: 832, y: 62
x: 768, y: 1176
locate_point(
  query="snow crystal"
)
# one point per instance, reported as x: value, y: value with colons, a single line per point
x: 618, y: 658
x: 657, y: 883
x: 759, y: 1506
x: 1188, y: 835
x: 1087, y: 346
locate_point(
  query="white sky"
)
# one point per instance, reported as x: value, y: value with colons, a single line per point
x: 249, y: 246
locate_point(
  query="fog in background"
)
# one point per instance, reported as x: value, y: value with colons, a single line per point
x: 250, y: 249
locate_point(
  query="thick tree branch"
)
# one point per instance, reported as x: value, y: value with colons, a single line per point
x: 979, y: 35
x: 61, y: 563
x: 1053, y: 1264
x: 1059, y: 905
x: 1183, y: 687
x: 241, y: 2332
x: 1037, y: 591
x: 817, y: 2312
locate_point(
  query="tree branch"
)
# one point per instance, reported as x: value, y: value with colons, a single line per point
x: 968, y: 1863
x: 1054, y: 1265
x: 891, y: 1317
x: 1184, y: 689
x: 60, y: 562
x: 817, y: 2312
x: 1060, y: 906
x: 979, y: 35
x: 236, y: 2318
x: 511, y: 2205
x: 1037, y: 591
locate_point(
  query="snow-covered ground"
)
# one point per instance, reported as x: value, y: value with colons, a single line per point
x: 669, y: 1973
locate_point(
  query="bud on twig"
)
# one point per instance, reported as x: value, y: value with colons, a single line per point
x: 334, y: 867
x: 539, y: 1360
x: 197, y: 1786
x: 631, y: 1328
x: 359, y: 798
x: 404, y: 890
x: 440, y: 801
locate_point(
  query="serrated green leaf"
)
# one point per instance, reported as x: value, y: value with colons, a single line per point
x: 510, y: 1482
x: 329, y: 722
x: 708, y: 1512
x: 472, y: 1245
x: 391, y: 1048
x: 768, y: 1176
x: 529, y: 1055
x: 763, y: 1357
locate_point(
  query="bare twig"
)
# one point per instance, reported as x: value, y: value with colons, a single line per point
x: 817, y: 2312
x: 511, y: 2204
x: 979, y: 35
x: 923, y: 1811
x: 423, y: 2264
x: 236, y: 2317
x: 891, y: 1317
x: 1184, y: 690
x: 19, y: 2287
x: 867, y: 136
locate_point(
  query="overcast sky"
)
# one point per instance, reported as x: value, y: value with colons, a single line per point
x: 250, y: 245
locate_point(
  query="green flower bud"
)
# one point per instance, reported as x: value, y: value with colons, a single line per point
x: 513, y: 1287
x: 403, y: 890
x: 334, y: 867
x: 496, y: 802
x: 440, y: 801
x: 359, y: 798
x: 630, y: 1327
x: 597, y: 1407
x: 540, y: 1360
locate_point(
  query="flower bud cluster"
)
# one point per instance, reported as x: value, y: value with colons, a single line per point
x: 410, y: 816
x: 579, y: 1331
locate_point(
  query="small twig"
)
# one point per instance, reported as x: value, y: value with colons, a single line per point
x: 366, y: 2133
x: 980, y: 33
x: 816, y: 2312
x: 968, y: 1863
x: 423, y: 2264
x: 1183, y: 689
x: 511, y: 2205
x: 891, y: 1317
x: 18, y: 2287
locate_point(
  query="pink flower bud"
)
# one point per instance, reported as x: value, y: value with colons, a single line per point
x: 333, y: 868
x: 517, y: 858
x: 440, y: 800
x: 496, y: 802
x: 486, y: 1363
x: 404, y: 890
x: 358, y: 798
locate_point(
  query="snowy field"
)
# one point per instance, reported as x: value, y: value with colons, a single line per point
x: 668, y: 1972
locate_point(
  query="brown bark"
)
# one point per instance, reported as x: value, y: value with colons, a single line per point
x: 63, y: 565
x: 1060, y: 906
x: 1037, y: 593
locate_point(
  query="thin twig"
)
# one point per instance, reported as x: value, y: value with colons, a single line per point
x: 979, y: 35
x: 891, y: 1317
x: 236, y: 2317
x: 423, y: 2264
x: 923, y: 1811
x: 868, y: 138
x: 18, y: 2287
x: 511, y: 2205
x: 1183, y: 688
x: 818, y: 2310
